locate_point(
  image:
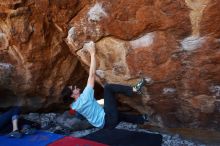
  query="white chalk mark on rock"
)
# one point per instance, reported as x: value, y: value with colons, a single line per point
x: 71, y: 35
x: 100, y: 73
x: 169, y: 90
x: 96, y: 13
x: 192, y: 43
x: 144, y: 41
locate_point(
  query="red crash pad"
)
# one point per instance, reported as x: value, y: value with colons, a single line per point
x: 72, y: 141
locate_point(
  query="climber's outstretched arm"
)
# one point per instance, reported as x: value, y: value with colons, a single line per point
x: 91, y: 48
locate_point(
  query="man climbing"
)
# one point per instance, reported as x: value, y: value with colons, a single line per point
x: 86, y: 105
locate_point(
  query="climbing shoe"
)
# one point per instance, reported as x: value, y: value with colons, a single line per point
x: 27, y: 130
x: 14, y: 134
x: 139, y: 85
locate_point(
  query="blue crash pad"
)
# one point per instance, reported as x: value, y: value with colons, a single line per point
x: 40, y: 138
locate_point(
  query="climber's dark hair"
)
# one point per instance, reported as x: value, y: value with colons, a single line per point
x: 66, y: 93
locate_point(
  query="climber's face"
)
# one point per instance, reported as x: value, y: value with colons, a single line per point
x: 75, y: 92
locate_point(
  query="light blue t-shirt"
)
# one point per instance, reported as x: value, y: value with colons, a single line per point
x: 87, y: 106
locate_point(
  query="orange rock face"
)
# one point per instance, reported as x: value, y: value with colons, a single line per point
x: 174, y: 44
x: 210, y: 22
x: 35, y: 62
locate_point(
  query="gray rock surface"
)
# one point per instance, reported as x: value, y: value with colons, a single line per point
x: 71, y: 122
x: 70, y: 125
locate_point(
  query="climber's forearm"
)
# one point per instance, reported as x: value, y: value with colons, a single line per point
x: 91, y: 79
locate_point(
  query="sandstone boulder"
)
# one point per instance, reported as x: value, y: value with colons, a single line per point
x: 174, y: 44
